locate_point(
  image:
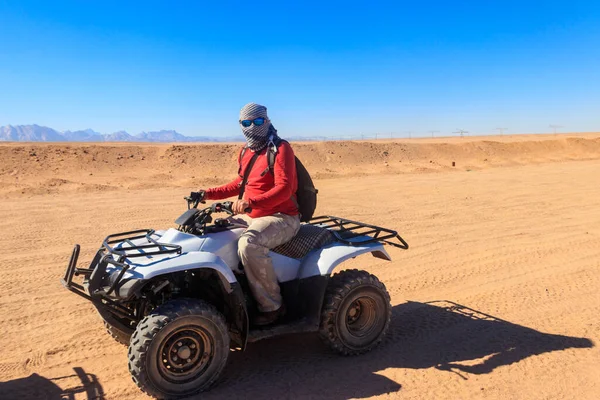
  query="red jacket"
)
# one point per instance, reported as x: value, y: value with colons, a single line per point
x: 268, y: 192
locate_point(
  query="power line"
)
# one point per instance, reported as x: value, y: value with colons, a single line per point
x: 461, y: 131
x: 501, y: 130
x: 555, y: 127
x: 433, y: 132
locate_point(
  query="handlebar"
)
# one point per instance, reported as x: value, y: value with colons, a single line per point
x: 227, y: 207
x: 195, y: 198
x: 195, y: 220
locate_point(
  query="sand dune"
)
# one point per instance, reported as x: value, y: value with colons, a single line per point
x: 498, y: 297
x: 33, y: 169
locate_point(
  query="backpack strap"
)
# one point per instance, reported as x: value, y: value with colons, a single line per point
x: 272, y: 152
x: 247, y: 174
x: 240, y: 158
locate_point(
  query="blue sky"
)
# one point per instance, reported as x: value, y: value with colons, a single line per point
x: 339, y: 68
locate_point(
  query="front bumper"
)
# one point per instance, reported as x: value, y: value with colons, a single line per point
x: 72, y: 270
x: 86, y: 290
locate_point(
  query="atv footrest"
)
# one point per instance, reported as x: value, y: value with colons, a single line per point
x: 300, y: 326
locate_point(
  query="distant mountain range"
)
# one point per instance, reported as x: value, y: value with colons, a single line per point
x: 36, y: 133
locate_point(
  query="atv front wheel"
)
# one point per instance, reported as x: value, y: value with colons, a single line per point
x: 356, y: 312
x: 118, y: 329
x: 179, y: 349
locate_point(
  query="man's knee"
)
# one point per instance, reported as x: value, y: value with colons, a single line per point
x: 242, y: 246
x: 247, y: 246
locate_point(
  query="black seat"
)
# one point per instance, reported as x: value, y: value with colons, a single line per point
x: 309, y: 237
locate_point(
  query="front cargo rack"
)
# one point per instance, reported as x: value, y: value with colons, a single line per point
x: 346, y: 230
x: 106, y: 255
x: 133, y: 250
x: 137, y: 250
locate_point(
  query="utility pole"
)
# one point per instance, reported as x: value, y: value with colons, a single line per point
x: 461, y: 131
x: 409, y: 134
x: 501, y: 130
x: 555, y: 127
x: 433, y: 132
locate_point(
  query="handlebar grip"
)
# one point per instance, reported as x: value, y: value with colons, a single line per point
x: 226, y: 206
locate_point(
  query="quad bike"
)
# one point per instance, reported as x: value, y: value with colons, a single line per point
x: 180, y: 300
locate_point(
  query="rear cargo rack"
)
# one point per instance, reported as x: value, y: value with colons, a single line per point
x: 355, y: 233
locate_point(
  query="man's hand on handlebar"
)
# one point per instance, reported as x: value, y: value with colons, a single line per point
x: 240, y: 207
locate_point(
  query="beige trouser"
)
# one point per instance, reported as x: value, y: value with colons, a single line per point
x: 265, y: 233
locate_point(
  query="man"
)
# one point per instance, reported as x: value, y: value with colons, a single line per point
x: 271, y: 196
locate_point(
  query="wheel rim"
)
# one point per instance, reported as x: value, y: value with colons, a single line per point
x: 185, y: 354
x: 361, y: 317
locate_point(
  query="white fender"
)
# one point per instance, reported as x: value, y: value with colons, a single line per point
x: 324, y: 261
x: 148, y: 268
x: 286, y: 269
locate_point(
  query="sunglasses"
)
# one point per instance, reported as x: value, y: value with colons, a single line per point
x: 257, y: 122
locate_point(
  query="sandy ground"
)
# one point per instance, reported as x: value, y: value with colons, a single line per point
x: 498, y: 297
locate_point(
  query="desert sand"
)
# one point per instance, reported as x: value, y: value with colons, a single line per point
x: 497, y: 298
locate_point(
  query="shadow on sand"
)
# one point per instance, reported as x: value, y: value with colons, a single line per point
x: 440, y: 334
x: 37, y: 387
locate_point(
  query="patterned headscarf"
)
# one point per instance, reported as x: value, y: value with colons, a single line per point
x: 257, y: 136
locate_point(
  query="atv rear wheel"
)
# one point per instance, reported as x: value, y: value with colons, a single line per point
x: 179, y: 349
x: 118, y: 329
x: 356, y: 312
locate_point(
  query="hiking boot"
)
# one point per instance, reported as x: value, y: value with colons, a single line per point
x: 267, y: 318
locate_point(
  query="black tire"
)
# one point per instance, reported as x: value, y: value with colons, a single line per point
x: 356, y: 312
x: 117, y: 334
x: 179, y: 329
x: 116, y: 328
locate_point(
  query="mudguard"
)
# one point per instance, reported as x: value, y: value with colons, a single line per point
x: 146, y: 269
x: 324, y: 261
